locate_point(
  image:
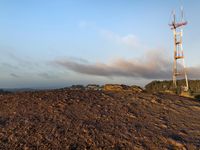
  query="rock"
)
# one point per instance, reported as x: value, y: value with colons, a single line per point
x: 112, y: 87
x: 118, y: 87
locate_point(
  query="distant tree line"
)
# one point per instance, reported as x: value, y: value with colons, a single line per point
x: 4, y: 92
x: 167, y: 86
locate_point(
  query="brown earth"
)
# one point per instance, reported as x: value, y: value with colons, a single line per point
x: 78, y: 119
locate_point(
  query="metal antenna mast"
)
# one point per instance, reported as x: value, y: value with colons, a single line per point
x: 179, y: 62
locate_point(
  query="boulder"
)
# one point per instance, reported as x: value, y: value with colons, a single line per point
x: 118, y: 87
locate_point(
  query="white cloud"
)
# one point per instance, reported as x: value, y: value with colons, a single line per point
x: 129, y: 40
x: 86, y: 24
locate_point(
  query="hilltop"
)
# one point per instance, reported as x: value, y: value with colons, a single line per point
x: 98, y: 119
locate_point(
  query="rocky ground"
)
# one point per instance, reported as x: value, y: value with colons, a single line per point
x: 78, y: 119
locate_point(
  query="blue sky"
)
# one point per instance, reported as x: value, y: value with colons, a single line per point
x: 48, y: 43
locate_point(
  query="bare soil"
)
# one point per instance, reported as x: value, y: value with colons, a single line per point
x: 78, y: 119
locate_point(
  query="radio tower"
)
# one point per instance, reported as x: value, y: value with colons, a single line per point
x: 179, y: 68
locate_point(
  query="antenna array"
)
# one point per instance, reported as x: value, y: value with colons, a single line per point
x: 179, y: 61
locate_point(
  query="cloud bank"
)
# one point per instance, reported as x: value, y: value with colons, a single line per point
x: 153, y: 65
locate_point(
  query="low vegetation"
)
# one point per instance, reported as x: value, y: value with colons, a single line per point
x: 167, y: 87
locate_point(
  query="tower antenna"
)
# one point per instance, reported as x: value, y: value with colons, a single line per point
x: 179, y: 71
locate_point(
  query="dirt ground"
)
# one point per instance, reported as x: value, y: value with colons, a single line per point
x: 78, y: 119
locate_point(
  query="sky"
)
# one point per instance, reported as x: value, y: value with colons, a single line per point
x: 57, y: 43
